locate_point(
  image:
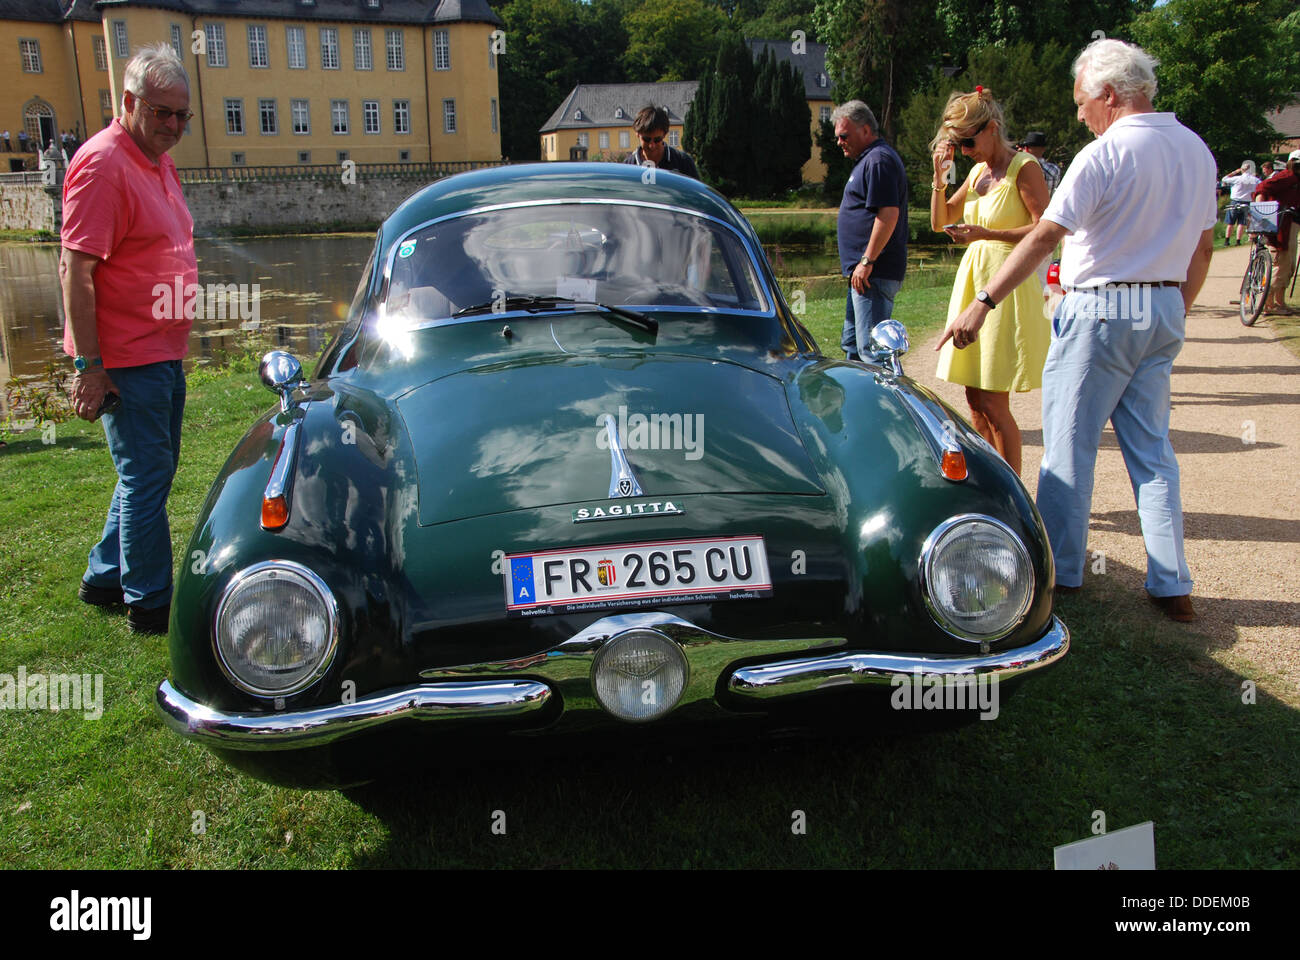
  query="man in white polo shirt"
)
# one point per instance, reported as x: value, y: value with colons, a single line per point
x: 1136, y: 212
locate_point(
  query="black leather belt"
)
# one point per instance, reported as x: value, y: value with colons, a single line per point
x: 1124, y: 283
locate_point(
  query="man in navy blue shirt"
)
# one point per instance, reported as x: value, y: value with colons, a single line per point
x: 873, y: 244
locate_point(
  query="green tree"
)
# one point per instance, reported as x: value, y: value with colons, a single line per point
x: 672, y: 39
x: 720, y: 123
x: 971, y: 24
x: 1222, y: 66
x: 779, y: 18
x: 748, y: 126
x: 1031, y: 84
x: 838, y: 166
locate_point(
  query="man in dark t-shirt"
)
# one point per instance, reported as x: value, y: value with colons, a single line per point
x: 872, y: 241
x: 1283, y: 187
x: 651, y: 126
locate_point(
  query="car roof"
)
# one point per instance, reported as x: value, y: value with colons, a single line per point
x: 516, y: 183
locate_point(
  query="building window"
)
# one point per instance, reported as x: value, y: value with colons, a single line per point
x: 236, y: 159
x: 257, y: 55
x: 176, y: 40
x: 234, y: 115
x: 492, y: 57
x: 329, y: 48
x: 823, y: 80
x: 577, y: 114
x: 618, y: 113
x: 266, y: 113
x: 674, y: 138
x: 582, y: 140
x: 369, y: 116
x: 449, y: 116
x: 295, y: 39
x: 401, y: 116
x: 441, y: 50
x: 105, y: 102
x: 372, y: 4
x: 404, y: 155
x: 215, y: 36
x: 395, y: 43
x: 362, y: 57
x: 339, y: 116
x: 624, y: 140
x: 824, y: 114
x: 492, y: 107
x: 343, y: 156
x: 300, y: 116
x: 31, y: 54
x: 120, y: 47
x: 304, y: 156
x: 603, y: 140
x: 101, y: 52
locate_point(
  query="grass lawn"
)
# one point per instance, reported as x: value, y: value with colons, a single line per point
x: 1136, y: 722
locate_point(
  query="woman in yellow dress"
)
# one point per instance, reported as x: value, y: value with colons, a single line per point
x: 999, y: 202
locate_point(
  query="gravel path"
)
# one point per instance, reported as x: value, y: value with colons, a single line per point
x: 1236, y: 430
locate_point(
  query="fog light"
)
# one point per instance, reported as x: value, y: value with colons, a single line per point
x: 639, y: 675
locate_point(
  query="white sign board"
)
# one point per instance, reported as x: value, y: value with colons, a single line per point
x: 1133, y: 848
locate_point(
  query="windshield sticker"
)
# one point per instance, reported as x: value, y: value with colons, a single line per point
x: 576, y: 288
x: 406, y: 249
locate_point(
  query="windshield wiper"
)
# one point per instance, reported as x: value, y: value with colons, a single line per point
x: 531, y: 303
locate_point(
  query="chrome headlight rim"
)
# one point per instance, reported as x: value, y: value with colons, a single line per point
x: 926, y: 564
x: 609, y: 648
x: 322, y: 591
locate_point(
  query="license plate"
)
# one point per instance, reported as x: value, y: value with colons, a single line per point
x: 636, y: 575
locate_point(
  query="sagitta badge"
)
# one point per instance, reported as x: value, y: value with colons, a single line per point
x: 622, y: 481
x: 624, y: 511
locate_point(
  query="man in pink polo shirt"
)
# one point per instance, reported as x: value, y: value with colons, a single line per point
x: 126, y: 229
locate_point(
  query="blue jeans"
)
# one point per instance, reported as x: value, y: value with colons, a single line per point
x: 1111, y: 359
x: 144, y: 439
x: 862, y: 312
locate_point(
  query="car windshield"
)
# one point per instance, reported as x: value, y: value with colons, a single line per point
x: 617, y: 254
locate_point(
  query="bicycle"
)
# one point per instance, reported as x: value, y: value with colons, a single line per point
x: 1262, y: 222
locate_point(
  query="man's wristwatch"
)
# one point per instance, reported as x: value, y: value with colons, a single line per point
x: 85, y: 363
x: 985, y: 299
x: 866, y: 261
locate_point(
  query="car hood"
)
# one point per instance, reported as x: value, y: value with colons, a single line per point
x: 532, y: 434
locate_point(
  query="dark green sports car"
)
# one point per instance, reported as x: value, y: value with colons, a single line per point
x: 573, y: 465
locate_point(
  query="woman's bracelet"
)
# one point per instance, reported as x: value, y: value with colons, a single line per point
x: 940, y: 186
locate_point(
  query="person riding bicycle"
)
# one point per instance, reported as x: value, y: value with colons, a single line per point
x: 1285, y: 189
x: 1243, y: 183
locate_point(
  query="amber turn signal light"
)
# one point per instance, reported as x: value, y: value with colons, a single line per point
x: 953, y: 467
x: 275, y: 511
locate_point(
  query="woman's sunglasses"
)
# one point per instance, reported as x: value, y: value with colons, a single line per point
x: 969, y: 142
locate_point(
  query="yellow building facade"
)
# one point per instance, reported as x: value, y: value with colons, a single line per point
x: 272, y: 82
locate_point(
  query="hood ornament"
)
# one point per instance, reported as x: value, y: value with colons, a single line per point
x: 622, y: 481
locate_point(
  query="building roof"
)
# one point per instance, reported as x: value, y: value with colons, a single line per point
x: 811, y: 64
x: 348, y: 11
x: 33, y: 11
x: 598, y: 104
x: 80, y: 10
x: 1287, y: 120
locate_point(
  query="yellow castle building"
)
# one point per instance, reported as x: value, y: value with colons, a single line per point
x: 272, y: 82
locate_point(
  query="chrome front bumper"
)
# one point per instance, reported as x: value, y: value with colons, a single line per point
x: 480, y: 692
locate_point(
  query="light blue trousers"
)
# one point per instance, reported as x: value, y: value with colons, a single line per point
x: 863, y: 312
x: 144, y: 439
x: 1111, y: 356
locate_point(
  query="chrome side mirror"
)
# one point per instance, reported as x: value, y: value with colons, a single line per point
x: 888, y: 343
x: 282, y: 374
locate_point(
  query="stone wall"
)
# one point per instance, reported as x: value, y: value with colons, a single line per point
x: 26, y: 206
x: 283, y: 205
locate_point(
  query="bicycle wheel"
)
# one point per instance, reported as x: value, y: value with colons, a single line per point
x: 1254, y: 286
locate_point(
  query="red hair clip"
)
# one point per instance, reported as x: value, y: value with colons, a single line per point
x: 979, y: 89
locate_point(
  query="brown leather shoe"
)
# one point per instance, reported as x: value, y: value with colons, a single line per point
x: 1176, y: 608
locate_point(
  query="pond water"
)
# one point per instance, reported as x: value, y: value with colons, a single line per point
x: 303, y: 286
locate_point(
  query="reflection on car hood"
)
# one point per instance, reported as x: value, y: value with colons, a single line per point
x: 489, y: 439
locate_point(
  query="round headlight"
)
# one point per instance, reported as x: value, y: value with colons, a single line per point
x: 977, y: 578
x: 276, y: 628
x: 639, y: 675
